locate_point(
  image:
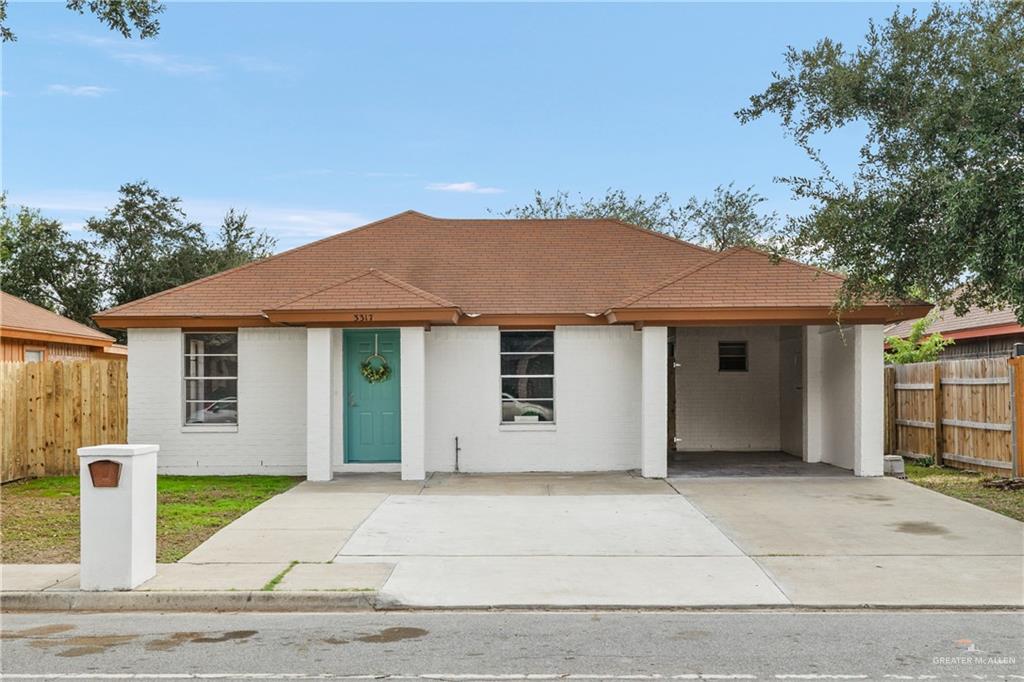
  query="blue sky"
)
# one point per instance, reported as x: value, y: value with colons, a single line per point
x: 319, y: 117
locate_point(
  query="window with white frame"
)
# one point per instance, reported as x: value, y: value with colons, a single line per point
x: 527, y: 376
x: 211, y: 378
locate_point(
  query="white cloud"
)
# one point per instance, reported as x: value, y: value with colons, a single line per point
x: 463, y: 187
x: 289, y: 224
x: 160, y: 61
x: 140, y: 53
x: 76, y: 201
x: 77, y: 90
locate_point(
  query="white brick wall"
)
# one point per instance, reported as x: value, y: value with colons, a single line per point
x: 727, y: 410
x: 271, y: 434
x: 597, y: 403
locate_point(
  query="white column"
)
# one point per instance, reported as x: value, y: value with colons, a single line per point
x: 812, y: 399
x: 414, y: 414
x: 117, y: 484
x: 318, y: 405
x: 869, y: 419
x: 654, y: 402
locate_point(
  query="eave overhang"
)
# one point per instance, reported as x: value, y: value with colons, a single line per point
x: 182, y: 321
x: 53, y: 337
x: 792, y: 315
x: 366, y: 317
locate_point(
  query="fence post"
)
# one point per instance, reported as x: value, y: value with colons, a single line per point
x: 1017, y: 415
x: 937, y: 398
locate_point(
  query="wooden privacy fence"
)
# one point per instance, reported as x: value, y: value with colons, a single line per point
x: 50, y: 409
x: 967, y: 414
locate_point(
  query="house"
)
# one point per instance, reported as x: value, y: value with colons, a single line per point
x: 979, y: 333
x: 29, y: 333
x: 421, y: 344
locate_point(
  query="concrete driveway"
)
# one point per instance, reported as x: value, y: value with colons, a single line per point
x: 867, y: 541
x: 619, y: 540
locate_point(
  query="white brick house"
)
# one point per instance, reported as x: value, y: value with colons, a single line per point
x: 507, y: 346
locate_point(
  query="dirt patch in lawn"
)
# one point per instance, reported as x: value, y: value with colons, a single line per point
x: 967, y: 486
x: 39, y: 518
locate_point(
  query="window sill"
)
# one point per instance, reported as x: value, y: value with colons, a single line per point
x: 528, y: 426
x: 210, y: 428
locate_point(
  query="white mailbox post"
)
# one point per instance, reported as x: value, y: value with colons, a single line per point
x: 118, y: 515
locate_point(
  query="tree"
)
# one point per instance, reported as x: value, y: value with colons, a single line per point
x: 657, y: 214
x: 123, y: 16
x: 144, y: 245
x: 936, y: 203
x: 728, y: 218
x: 41, y: 264
x: 238, y: 244
x: 148, y: 244
x: 916, y: 347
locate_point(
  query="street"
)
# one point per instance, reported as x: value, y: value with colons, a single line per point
x: 510, y: 645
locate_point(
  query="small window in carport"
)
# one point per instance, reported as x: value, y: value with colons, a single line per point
x: 732, y: 356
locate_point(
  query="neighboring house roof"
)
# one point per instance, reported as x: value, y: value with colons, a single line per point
x: 484, y: 272
x: 23, y: 320
x: 977, y: 322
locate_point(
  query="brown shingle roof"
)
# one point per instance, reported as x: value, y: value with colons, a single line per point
x: 493, y: 267
x: 19, y: 315
x: 372, y: 289
x: 482, y: 266
x: 744, y: 277
x: 948, y: 322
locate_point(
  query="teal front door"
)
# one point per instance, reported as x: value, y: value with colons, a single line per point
x: 373, y: 423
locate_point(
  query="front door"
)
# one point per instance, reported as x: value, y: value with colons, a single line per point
x: 372, y: 405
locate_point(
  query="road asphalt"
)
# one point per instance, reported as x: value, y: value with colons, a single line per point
x: 513, y: 645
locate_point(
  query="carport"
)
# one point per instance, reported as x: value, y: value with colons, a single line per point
x: 774, y: 400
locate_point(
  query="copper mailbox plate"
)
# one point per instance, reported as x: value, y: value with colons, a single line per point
x: 105, y: 473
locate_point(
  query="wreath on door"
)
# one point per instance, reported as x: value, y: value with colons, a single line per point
x: 375, y: 367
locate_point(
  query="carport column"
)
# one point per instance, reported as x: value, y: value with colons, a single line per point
x: 812, y: 399
x: 869, y: 419
x: 654, y: 402
x: 414, y: 397
x: 318, y: 404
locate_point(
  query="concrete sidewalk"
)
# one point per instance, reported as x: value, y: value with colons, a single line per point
x: 579, y: 541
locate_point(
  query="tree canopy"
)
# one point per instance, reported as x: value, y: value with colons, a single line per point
x: 936, y: 203
x: 144, y: 244
x: 727, y: 218
x: 127, y: 17
x: 40, y: 263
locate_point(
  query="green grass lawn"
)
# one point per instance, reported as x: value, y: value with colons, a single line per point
x: 39, y: 518
x: 966, y: 486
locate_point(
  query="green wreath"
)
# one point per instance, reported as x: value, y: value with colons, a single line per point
x: 375, y: 374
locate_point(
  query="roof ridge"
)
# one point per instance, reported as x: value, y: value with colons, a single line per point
x: 644, y: 230
x: 378, y: 274
x: 254, y: 263
x: 675, y: 240
x: 791, y: 261
x: 644, y: 293
x: 412, y: 288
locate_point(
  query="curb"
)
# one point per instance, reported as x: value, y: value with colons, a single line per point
x: 326, y: 602
x: 188, y: 601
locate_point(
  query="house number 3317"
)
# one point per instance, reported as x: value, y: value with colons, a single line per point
x: 363, y: 317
